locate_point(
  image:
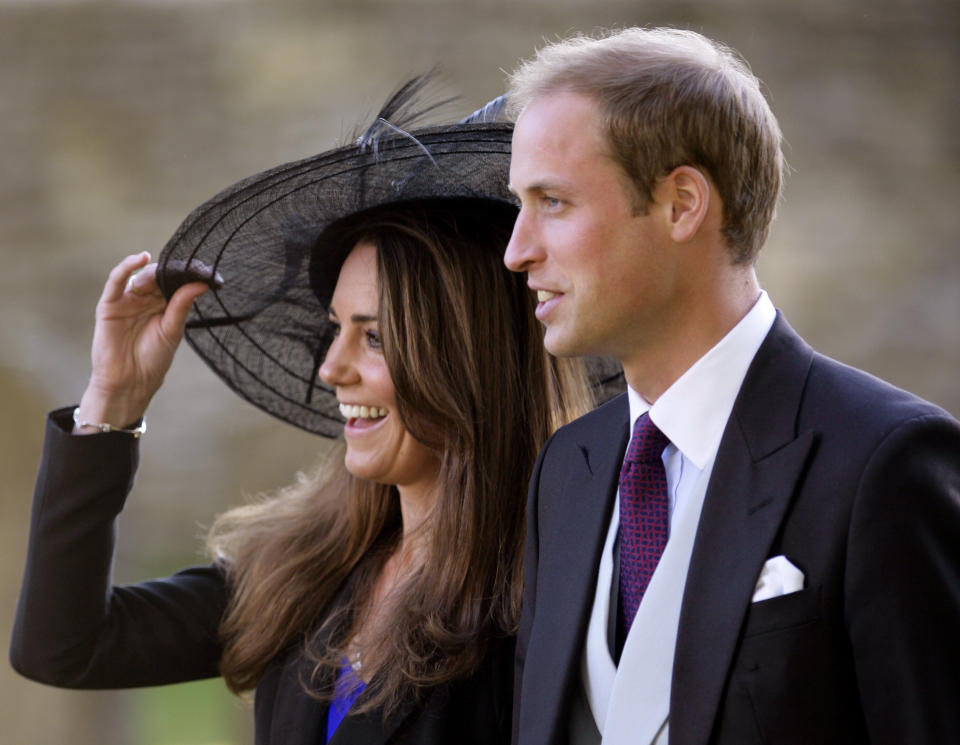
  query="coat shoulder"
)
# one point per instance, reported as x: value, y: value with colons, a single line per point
x: 838, y: 392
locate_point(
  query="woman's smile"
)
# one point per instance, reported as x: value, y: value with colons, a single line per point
x: 379, y: 448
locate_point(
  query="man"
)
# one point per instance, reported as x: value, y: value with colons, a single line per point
x: 777, y: 557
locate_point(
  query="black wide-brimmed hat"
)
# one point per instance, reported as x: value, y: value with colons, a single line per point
x: 263, y: 327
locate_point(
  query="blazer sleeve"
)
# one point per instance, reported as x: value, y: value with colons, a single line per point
x: 73, y: 627
x: 903, y: 584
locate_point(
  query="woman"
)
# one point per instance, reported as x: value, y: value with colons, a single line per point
x: 369, y: 280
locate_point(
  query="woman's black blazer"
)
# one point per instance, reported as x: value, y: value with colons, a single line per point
x: 75, y: 629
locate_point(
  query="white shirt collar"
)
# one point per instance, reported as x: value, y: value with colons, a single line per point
x: 693, y: 412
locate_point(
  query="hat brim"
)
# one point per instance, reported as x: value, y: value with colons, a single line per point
x: 264, y: 329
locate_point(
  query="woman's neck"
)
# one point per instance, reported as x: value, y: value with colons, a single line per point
x: 405, y: 559
x: 415, y: 506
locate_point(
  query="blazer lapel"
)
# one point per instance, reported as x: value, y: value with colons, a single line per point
x: 369, y: 727
x: 759, y: 462
x: 296, y: 718
x: 578, y: 500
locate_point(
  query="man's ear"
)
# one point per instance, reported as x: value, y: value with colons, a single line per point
x: 686, y: 191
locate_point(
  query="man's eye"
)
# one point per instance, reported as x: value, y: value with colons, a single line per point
x: 551, y: 202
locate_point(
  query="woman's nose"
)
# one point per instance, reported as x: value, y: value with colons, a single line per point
x: 337, y: 368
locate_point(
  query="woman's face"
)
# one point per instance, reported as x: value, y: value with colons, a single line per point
x: 379, y: 448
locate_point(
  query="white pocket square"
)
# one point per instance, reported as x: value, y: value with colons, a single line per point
x: 778, y: 577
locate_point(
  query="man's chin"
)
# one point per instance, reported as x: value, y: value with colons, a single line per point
x: 562, y: 346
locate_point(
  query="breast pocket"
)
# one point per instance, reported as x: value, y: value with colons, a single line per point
x: 783, y: 612
x: 792, y: 676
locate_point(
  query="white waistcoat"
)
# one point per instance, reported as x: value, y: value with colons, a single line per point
x: 630, y: 704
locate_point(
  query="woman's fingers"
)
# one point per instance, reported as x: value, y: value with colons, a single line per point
x: 136, y: 277
x: 135, y: 338
x: 178, y: 308
x: 143, y: 281
x: 116, y: 283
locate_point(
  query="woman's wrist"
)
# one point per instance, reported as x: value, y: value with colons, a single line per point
x: 97, y: 413
x: 81, y: 426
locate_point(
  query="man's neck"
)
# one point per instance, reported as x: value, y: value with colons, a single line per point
x: 653, y: 368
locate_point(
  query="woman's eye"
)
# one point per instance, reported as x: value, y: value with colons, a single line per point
x: 373, y: 339
x: 334, y: 329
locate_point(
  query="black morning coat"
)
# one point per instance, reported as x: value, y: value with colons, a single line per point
x: 857, y: 483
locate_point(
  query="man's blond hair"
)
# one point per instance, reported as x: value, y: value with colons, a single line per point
x: 669, y: 97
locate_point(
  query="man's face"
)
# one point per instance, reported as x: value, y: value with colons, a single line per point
x: 604, y: 275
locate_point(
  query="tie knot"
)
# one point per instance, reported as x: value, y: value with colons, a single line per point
x: 647, y: 443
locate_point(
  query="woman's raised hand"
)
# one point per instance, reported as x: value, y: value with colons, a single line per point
x: 136, y: 334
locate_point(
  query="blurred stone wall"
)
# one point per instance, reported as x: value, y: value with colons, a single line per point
x: 117, y: 118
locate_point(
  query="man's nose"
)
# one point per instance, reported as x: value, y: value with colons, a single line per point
x: 521, y: 251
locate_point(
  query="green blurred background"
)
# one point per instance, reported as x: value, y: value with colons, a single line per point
x: 118, y: 118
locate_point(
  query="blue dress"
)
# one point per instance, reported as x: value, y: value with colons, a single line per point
x: 348, y: 688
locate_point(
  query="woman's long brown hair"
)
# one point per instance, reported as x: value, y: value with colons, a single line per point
x: 474, y: 383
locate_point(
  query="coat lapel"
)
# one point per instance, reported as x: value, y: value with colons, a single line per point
x: 572, y: 524
x: 759, y: 463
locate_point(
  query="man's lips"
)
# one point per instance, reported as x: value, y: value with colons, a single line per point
x: 546, y: 300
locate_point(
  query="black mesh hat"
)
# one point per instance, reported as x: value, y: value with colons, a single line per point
x: 263, y: 327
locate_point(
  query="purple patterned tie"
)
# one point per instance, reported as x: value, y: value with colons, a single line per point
x: 644, y: 516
